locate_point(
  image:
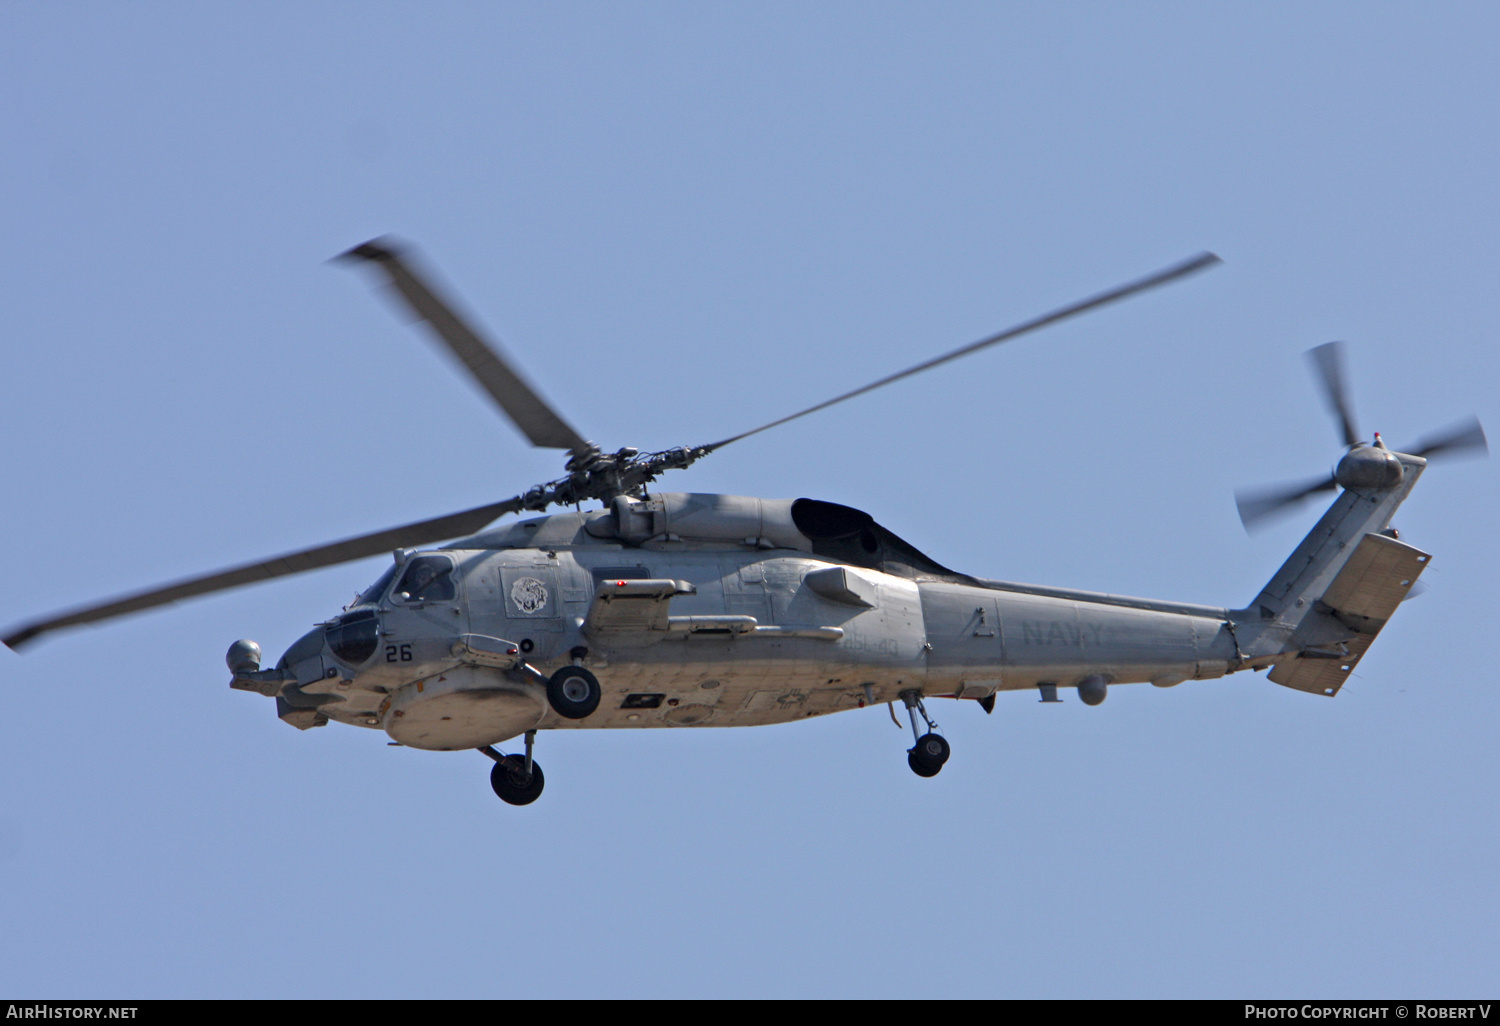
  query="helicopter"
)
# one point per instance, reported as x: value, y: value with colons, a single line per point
x: 663, y: 609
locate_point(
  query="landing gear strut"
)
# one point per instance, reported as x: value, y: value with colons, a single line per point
x: 516, y: 779
x: 931, y: 750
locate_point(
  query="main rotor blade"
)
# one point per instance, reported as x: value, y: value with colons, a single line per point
x: 423, y: 532
x: 1180, y: 270
x: 538, y: 421
x: 1258, y: 504
x: 1328, y: 361
x: 1464, y: 438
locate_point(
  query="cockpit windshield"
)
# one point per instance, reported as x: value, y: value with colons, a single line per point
x: 371, y: 596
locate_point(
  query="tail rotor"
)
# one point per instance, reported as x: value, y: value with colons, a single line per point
x: 1365, y: 464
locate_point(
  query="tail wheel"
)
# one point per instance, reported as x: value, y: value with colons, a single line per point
x: 574, y: 692
x: 927, y: 756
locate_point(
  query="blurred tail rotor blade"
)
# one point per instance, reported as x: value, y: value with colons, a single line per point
x: 1417, y: 588
x: 538, y: 421
x: 423, y: 532
x: 1466, y: 438
x: 1328, y: 361
x: 1257, y: 505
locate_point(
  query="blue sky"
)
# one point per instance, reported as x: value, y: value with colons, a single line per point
x: 684, y: 220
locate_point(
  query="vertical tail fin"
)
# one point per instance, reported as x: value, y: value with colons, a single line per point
x: 1323, y: 608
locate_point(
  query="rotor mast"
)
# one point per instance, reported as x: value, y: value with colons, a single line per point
x: 604, y: 476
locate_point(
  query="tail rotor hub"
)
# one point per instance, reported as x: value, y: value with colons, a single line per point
x: 1369, y: 467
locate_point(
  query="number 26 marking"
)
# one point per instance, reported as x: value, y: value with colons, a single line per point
x: 398, y: 653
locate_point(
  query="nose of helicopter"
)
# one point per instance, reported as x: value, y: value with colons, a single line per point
x: 349, y: 640
x: 304, y: 657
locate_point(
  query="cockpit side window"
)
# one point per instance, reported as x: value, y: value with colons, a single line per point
x: 427, y: 579
x: 354, y: 637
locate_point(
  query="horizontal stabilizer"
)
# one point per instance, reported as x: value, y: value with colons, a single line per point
x: 1373, y: 581
x: 1317, y: 673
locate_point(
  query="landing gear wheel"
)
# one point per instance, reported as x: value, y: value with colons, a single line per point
x: 511, y: 783
x: 926, y: 758
x: 574, y: 692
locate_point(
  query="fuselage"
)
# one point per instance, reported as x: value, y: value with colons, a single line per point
x: 784, y: 610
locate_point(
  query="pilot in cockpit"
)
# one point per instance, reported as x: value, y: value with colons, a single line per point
x: 427, y: 580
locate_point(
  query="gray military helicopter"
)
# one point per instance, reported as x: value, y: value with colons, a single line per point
x: 671, y: 609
